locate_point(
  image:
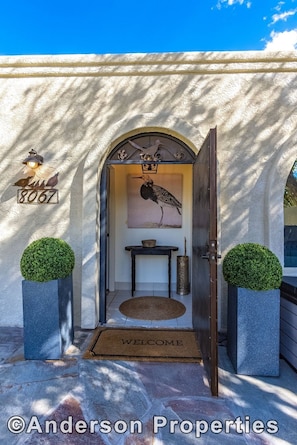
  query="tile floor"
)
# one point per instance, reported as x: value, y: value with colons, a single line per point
x: 116, y: 318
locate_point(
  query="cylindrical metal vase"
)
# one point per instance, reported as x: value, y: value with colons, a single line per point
x: 182, y: 275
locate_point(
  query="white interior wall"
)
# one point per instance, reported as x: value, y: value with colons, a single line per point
x: 151, y: 271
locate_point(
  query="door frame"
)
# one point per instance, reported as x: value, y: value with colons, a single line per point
x: 125, y: 154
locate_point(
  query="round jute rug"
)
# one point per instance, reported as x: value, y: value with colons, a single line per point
x: 152, y: 308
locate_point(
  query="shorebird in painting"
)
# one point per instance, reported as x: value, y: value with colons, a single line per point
x: 159, y: 195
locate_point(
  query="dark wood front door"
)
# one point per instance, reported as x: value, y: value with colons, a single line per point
x: 204, y: 258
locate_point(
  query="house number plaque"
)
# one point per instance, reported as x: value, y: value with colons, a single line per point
x: 37, y: 192
x: 33, y: 196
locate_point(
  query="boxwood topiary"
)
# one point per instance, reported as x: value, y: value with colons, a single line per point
x: 252, y: 266
x: 47, y: 259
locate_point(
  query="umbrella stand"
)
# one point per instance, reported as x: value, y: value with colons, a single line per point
x: 182, y: 273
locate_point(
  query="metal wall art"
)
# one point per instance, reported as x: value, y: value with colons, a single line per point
x: 38, y: 186
x: 151, y: 149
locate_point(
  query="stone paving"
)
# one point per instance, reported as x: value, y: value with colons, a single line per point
x: 76, y: 401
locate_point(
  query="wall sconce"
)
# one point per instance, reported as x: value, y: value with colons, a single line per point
x: 34, y: 160
x: 149, y: 168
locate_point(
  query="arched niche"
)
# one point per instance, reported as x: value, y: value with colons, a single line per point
x: 290, y: 219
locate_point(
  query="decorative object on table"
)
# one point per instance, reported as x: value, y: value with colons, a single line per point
x: 254, y: 275
x: 47, y: 266
x: 182, y: 272
x: 147, y: 202
x: 148, y: 243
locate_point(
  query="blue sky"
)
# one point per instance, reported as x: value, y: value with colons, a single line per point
x: 116, y: 26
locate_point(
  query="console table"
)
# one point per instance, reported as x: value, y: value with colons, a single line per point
x: 157, y: 250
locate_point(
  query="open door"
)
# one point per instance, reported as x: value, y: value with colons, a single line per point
x: 204, y: 256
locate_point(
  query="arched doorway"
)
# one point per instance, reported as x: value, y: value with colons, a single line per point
x: 144, y: 155
x: 290, y: 220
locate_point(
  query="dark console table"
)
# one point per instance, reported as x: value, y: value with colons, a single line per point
x: 157, y: 250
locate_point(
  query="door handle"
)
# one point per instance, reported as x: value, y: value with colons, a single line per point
x: 211, y: 256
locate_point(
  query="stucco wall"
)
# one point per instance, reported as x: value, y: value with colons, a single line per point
x: 74, y: 109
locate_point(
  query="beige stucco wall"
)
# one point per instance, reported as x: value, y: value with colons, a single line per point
x: 74, y: 109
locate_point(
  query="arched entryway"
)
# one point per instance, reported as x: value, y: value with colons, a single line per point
x: 93, y: 170
x: 279, y: 171
x: 290, y: 220
x: 140, y: 160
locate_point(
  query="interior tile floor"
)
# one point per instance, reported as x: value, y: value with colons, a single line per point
x: 115, y: 318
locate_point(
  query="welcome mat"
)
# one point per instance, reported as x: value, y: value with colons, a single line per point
x: 152, y: 308
x: 165, y: 345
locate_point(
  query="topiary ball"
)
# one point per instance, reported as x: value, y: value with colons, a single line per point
x: 47, y: 259
x: 252, y: 266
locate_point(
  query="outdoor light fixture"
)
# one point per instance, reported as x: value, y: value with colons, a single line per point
x: 34, y: 160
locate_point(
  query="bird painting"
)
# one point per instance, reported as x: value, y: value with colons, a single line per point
x: 159, y: 195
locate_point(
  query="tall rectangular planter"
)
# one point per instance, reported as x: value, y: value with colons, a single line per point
x: 48, y: 318
x: 254, y: 331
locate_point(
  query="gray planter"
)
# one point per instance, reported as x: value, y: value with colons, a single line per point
x: 48, y: 318
x: 254, y: 331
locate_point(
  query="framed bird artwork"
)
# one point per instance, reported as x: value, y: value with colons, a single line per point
x: 155, y: 201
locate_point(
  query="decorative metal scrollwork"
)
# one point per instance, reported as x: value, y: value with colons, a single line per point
x: 150, y: 153
x: 122, y: 155
x: 153, y: 147
x: 179, y: 155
